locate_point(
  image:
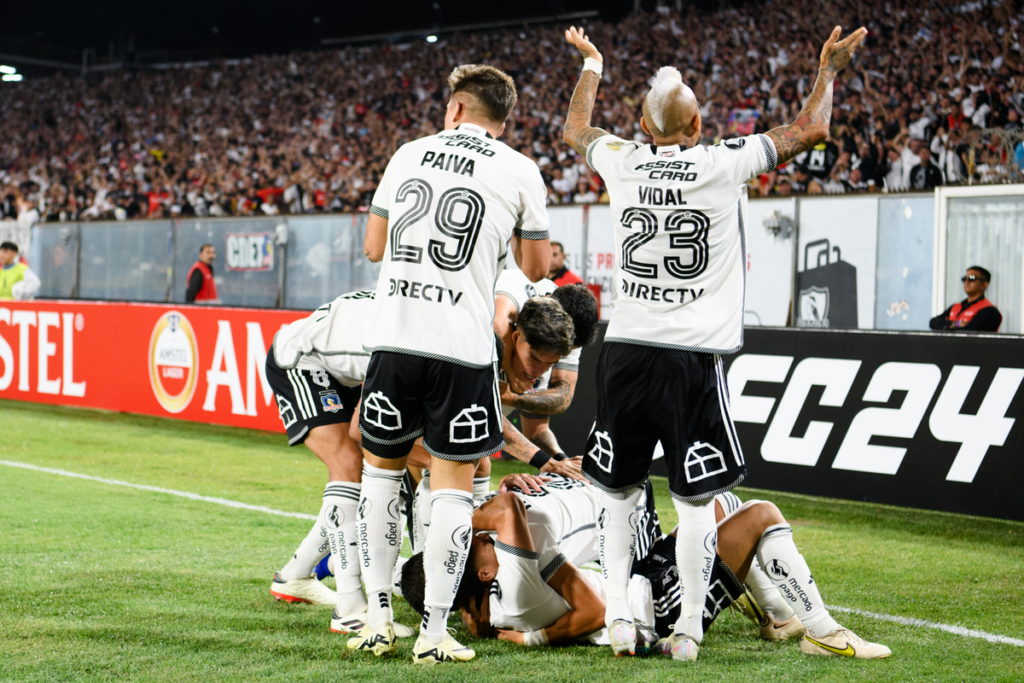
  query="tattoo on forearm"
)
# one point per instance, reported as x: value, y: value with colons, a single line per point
x: 517, y: 445
x: 800, y: 136
x: 577, y: 131
x: 546, y: 441
x: 552, y: 401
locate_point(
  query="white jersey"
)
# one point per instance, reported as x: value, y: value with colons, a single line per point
x: 680, y: 267
x: 453, y: 202
x: 330, y: 339
x: 518, y: 288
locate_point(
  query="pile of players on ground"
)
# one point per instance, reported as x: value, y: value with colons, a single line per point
x: 313, y: 131
x: 408, y: 386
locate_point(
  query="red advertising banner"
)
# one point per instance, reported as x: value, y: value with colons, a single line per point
x: 195, y: 363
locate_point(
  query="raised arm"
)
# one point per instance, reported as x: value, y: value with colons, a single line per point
x: 812, y: 124
x: 577, y: 131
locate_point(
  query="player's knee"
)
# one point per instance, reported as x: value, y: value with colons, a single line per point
x: 483, y: 467
x: 766, y: 512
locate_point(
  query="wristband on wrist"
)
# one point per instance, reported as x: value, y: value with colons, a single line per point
x: 535, y: 638
x: 539, y: 459
x: 559, y: 456
x: 591, y: 64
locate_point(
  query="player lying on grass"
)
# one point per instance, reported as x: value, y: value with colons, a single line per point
x: 523, y: 587
x: 315, y: 367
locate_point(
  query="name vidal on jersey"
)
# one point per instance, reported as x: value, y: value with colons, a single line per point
x: 418, y: 290
x: 637, y: 290
x: 453, y: 163
x: 656, y: 196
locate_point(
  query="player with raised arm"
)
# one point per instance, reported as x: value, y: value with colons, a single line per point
x: 677, y: 306
x: 447, y: 209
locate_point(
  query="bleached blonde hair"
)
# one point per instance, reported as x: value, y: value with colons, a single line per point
x: 666, y: 88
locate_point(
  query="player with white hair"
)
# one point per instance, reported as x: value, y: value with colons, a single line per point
x: 677, y: 306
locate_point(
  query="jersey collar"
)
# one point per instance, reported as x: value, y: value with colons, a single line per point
x: 667, y: 151
x: 473, y: 129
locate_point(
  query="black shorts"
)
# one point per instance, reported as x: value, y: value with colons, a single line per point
x: 649, y: 394
x: 308, y: 399
x: 659, y: 567
x: 456, y: 409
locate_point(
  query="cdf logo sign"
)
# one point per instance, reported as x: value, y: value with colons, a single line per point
x: 251, y: 251
x: 173, y: 359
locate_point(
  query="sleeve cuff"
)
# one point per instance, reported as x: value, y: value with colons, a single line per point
x: 770, y: 153
x: 553, y: 566
x: 531, y: 234
x: 572, y: 367
x: 378, y: 211
x: 590, y: 153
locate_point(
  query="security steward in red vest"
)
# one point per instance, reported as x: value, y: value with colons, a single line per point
x: 201, y: 287
x: 973, y: 314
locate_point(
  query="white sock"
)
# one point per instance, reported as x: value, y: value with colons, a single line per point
x: 379, y: 529
x: 444, y: 558
x: 341, y: 500
x: 696, y: 543
x: 314, y: 546
x: 481, y: 487
x: 421, y: 514
x: 788, y: 570
x: 766, y: 594
x: 616, y: 541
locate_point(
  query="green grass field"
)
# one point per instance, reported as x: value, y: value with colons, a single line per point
x: 105, y: 582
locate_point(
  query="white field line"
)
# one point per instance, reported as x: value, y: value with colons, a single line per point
x: 156, y: 489
x: 909, y: 621
x: 906, y: 621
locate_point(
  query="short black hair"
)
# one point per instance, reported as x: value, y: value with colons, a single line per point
x: 492, y: 88
x: 987, y: 276
x: 546, y: 326
x: 10, y: 245
x: 581, y: 305
x: 414, y: 582
x: 204, y: 247
x: 558, y: 244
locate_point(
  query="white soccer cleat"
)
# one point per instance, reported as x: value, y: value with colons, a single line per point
x: 683, y: 648
x: 775, y: 631
x: 843, y: 643
x: 302, y: 590
x: 403, y: 631
x: 353, y: 623
x: 379, y: 641
x: 622, y: 635
x: 449, y: 650
x: 646, y: 639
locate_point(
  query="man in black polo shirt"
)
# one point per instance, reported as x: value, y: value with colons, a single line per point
x: 973, y: 314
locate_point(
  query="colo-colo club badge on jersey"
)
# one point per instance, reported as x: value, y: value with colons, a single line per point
x: 173, y: 359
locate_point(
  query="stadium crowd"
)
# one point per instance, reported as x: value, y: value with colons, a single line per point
x: 313, y: 131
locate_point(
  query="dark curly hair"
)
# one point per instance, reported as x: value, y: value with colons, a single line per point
x: 580, y: 304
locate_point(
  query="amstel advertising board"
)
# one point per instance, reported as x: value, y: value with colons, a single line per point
x: 196, y: 363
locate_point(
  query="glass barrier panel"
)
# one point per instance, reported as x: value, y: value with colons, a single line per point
x: 125, y: 261
x: 52, y: 258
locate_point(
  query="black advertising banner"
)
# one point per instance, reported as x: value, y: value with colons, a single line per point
x: 912, y: 419
x: 828, y: 291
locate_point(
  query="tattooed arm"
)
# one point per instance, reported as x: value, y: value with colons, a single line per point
x: 554, y: 400
x: 812, y: 124
x: 577, y: 131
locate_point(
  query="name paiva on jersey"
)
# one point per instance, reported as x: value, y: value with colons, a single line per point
x: 669, y: 295
x: 418, y: 290
x: 450, y: 162
x: 668, y: 170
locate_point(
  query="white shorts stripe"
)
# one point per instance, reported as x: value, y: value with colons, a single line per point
x: 299, y: 398
x: 309, y: 395
x: 723, y: 402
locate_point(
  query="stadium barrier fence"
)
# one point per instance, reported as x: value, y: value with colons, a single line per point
x: 867, y: 261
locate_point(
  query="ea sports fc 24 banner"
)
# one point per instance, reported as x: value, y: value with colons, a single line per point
x: 202, y: 364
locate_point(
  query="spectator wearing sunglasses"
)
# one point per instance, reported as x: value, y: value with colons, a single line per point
x: 975, y: 313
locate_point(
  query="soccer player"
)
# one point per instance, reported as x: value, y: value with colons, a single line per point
x: 518, y: 592
x: 460, y: 200
x: 677, y: 306
x: 551, y: 392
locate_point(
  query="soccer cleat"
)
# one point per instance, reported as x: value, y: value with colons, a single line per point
x: 785, y: 630
x: 683, y: 648
x: 622, y: 634
x: 748, y: 607
x: 449, y: 650
x: 663, y: 647
x: 646, y: 639
x: 843, y: 643
x: 353, y: 623
x: 379, y: 641
x: 302, y: 590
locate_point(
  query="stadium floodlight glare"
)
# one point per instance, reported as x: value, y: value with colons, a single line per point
x: 4, y: 69
x: 431, y: 39
x: 12, y: 77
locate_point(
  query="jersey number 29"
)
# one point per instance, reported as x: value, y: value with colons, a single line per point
x: 687, y: 229
x: 464, y: 230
